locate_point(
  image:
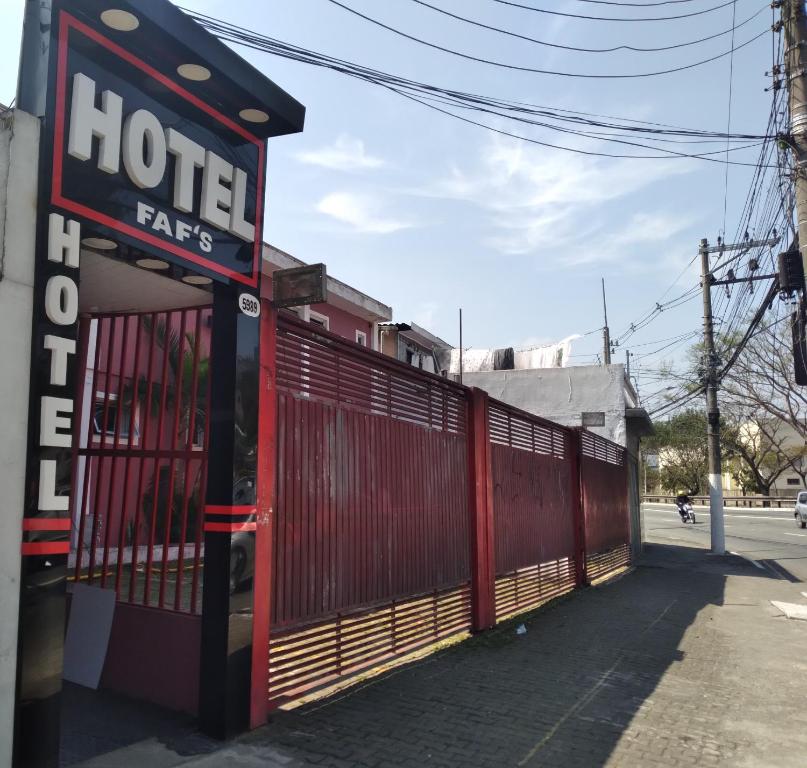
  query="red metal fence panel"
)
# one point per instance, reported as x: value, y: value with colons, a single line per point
x: 604, y: 488
x: 532, y: 508
x: 372, y: 505
x: 140, y: 457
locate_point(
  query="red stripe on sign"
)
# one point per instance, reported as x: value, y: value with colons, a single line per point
x: 46, y: 523
x: 230, y: 527
x: 45, y: 547
x: 225, y: 509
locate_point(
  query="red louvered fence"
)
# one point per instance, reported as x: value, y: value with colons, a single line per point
x: 533, y: 511
x: 409, y: 509
x: 371, y: 524
x: 604, y: 491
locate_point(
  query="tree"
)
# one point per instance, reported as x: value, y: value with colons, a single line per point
x: 757, y: 441
x: 681, y: 446
x: 763, y: 410
x: 761, y: 387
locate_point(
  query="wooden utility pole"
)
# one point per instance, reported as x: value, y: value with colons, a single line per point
x: 606, y: 334
x: 712, y: 410
x: 795, y: 29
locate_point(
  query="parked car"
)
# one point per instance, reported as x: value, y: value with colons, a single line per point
x: 800, y: 512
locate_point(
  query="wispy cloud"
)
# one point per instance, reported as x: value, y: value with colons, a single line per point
x: 345, y: 154
x: 537, y: 199
x: 361, y: 213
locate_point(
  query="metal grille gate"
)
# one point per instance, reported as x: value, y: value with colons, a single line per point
x: 141, y: 455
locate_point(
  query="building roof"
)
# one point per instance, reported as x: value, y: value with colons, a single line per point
x: 417, y: 334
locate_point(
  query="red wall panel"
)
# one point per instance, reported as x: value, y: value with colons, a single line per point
x: 532, y: 509
x: 604, y: 485
x: 372, y: 499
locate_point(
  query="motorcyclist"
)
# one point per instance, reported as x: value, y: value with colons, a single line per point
x: 681, y: 501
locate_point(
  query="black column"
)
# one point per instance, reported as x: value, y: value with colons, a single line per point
x: 229, y: 519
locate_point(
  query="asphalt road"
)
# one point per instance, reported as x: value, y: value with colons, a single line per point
x: 769, y: 537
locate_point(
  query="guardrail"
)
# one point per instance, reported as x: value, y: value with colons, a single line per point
x: 729, y: 501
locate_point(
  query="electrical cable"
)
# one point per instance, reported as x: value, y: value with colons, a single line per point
x: 535, y: 70
x: 612, y: 18
x: 578, y: 49
x: 728, y: 126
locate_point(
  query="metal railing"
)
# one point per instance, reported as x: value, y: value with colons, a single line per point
x: 729, y: 501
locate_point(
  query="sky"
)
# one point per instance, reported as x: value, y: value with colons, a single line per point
x: 428, y: 214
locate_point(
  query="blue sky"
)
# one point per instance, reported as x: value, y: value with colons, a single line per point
x: 428, y: 214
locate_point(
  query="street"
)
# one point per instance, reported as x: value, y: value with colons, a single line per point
x: 770, y: 537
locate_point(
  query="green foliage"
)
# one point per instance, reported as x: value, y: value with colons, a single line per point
x: 681, y: 446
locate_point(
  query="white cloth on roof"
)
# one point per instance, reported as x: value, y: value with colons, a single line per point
x: 551, y: 356
x: 472, y: 360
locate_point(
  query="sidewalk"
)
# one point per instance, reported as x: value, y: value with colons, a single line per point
x: 682, y: 662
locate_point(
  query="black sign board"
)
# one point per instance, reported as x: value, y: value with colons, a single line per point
x: 146, y: 162
x: 299, y: 285
x: 593, y: 418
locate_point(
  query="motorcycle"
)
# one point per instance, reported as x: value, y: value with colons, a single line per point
x: 686, y: 512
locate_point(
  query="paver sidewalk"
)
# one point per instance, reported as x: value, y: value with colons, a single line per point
x: 682, y: 662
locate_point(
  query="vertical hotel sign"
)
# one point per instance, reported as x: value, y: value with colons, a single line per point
x: 127, y: 154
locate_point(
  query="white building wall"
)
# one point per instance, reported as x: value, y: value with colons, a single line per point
x: 562, y: 394
x: 19, y: 152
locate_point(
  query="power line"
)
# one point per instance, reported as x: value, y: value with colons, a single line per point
x: 535, y: 70
x: 408, y: 88
x: 612, y: 18
x: 728, y: 126
x: 613, y: 49
x: 637, y: 5
x: 270, y: 45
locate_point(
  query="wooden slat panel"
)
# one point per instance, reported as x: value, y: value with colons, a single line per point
x: 302, y: 660
x: 527, y: 588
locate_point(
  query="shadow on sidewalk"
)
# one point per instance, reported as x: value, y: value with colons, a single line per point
x: 562, y: 694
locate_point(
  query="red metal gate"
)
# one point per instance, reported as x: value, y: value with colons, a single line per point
x: 141, y: 455
x: 371, y: 555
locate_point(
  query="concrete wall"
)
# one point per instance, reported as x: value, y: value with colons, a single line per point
x: 19, y: 152
x: 562, y: 394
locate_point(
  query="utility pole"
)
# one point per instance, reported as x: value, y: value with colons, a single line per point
x: 712, y: 410
x: 711, y: 377
x: 461, y: 345
x: 627, y: 363
x: 795, y: 29
x: 606, y: 334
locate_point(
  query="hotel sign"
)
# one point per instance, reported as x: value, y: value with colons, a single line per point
x: 146, y: 162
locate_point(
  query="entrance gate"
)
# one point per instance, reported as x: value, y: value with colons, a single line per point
x: 140, y: 465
